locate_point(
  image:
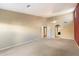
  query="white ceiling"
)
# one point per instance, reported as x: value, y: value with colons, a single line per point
x: 40, y: 9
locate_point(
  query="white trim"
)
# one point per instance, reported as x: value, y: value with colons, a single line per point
x: 19, y: 44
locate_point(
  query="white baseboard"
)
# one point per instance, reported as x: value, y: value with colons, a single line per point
x: 22, y: 43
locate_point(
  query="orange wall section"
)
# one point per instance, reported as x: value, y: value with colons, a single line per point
x: 76, y: 24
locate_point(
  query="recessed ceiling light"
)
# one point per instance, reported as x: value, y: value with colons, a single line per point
x: 53, y: 22
x: 28, y: 6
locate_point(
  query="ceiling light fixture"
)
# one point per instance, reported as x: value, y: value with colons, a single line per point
x: 28, y: 6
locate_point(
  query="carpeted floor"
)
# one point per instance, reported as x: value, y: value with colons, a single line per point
x: 44, y: 47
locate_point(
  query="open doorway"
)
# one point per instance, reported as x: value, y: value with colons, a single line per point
x: 57, y: 32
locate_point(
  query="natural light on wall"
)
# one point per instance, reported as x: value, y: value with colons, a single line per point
x: 12, y: 35
x: 64, y: 12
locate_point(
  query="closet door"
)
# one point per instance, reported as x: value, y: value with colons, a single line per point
x: 76, y: 24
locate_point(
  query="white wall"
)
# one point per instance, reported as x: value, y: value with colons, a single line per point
x: 66, y: 29
x: 17, y: 28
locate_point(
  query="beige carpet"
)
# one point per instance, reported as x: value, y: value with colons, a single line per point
x: 44, y: 47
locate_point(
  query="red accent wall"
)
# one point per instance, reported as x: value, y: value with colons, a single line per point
x: 76, y: 24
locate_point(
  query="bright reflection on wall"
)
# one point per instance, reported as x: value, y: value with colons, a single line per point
x: 12, y: 27
x: 11, y: 35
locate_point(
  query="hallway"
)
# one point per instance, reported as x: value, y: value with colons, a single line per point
x: 44, y: 47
